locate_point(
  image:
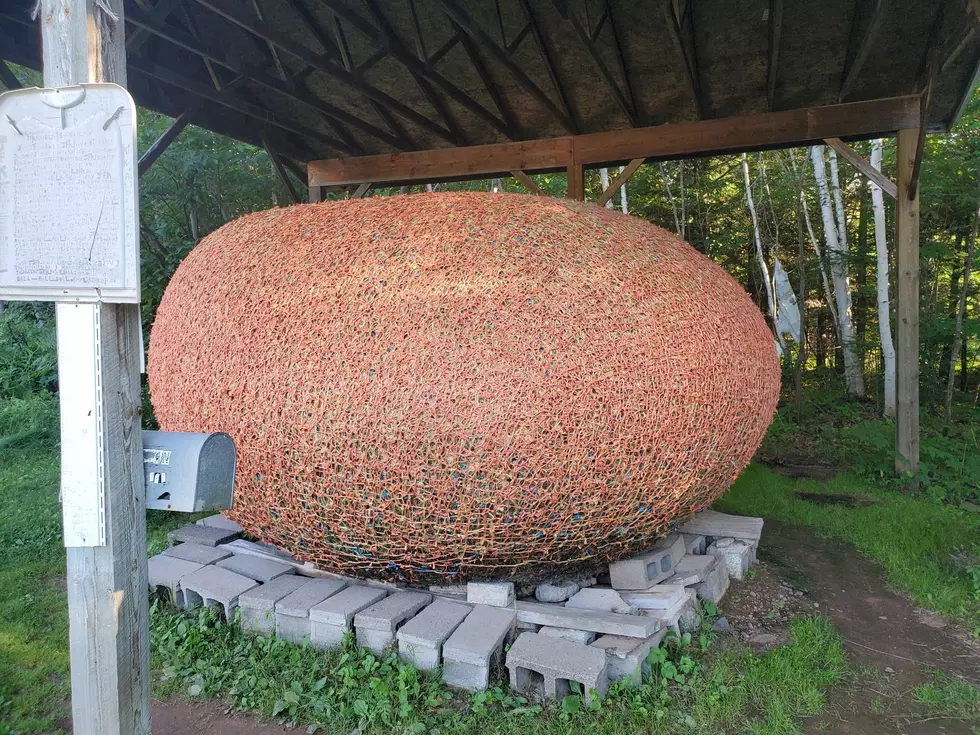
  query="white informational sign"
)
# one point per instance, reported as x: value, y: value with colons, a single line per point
x: 68, y: 201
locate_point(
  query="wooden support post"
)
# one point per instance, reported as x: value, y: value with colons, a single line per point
x: 619, y: 181
x: 163, y: 142
x: 527, y: 182
x: 361, y: 190
x: 576, y: 182
x: 107, y: 585
x: 316, y: 194
x: 907, y: 255
x: 862, y: 165
x: 280, y: 169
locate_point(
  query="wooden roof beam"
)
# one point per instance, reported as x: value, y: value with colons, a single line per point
x: 161, y: 144
x: 159, y: 12
x: 488, y: 83
x: 291, y: 46
x: 467, y: 24
x: 527, y: 182
x: 688, y: 57
x: 681, y: 140
x: 862, y: 165
x: 545, y: 52
x: 861, y: 42
x: 619, y: 181
x: 775, y: 37
x: 623, y: 99
x: 280, y: 169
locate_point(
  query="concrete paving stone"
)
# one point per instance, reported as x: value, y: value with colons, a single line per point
x: 538, y: 662
x: 736, y: 556
x: 204, y: 535
x: 476, y: 646
x: 255, y: 567
x: 218, y: 520
x: 584, y: 637
x: 420, y: 639
x: 659, y: 597
x: 452, y: 590
x: 198, y: 553
x: 626, y: 658
x: 212, y: 585
x: 558, y: 616
x: 331, y: 619
x: 293, y: 610
x: 522, y: 626
x: 713, y: 523
x: 715, y: 584
x: 650, y: 567
x: 555, y: 591
x: 694, y: 544
x: 600, y: 599
x: 258, y: 605
x: 375, y: 626
x: 167, y: 571
x: 692, y: 569
x: 495, y: 594
x: 670, y: 617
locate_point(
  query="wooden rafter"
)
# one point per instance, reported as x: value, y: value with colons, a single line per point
x: 163, y: 142
x: 622, y: 98
x: 680, y: 140
x: 620, y: 57
x: 273, y: 51
x: 860, y: 44
x: 280, y: 169
x: 355, y: 82
x: 862, y: 165
x: 467, y: 24
x: 159, y: 12
x: 405, y: 57
x: 549, y: 64
x: 488, y: 83
x: 688, y: 56
x: 527, y: 182
x: 618, y: 182
x: 775, y: 38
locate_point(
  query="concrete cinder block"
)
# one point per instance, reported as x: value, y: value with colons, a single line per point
x: 167, y: 571
x: 692, y: 569
x: 219, y: 521
x: 450, y: 590
x: 255, y: 567
x: 735, y: 554
x: 495, y: 594
x: 476, y: 646
x: 257, y: 607
x: 713, y: 523
x: 582, y: 637
x: 293, y: 610
x: 558, y: 616
x: 715, y: 584
x: 204, y: 535
x: 659, y: 597
x: 541, y: 666
x: 626, y: 658
x: 420, y: 639
x: 198, y: 553
x: 332, y: 618
x: 212, y: 585
x: 648, y: 568
x: 555, y: 591
x: 375, y: 626
x: 600, y: 599
x: 670, y: 617
x: 694, y: 544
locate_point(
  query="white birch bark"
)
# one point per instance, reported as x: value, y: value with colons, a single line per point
x: 604, y: 178
x: 680, y: 174
x: 884, y: 305
x: 670, y: 196
x: 837, y: 253
x: 622, y: 195
x: 758, y: 251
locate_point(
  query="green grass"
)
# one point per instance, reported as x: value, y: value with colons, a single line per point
x: 927, y: 548
x: 948, y: 697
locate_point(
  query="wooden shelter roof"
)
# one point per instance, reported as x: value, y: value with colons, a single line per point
x: 318, y: 79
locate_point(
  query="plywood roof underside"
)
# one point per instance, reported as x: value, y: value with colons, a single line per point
x: 322, y: 79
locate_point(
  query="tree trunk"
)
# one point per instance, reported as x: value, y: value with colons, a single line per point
x: 758, y: 251
x: 683, y: 231
x: 622, y: 195
x: 670, y: 196
x: 881, y: 277
x: 837, y: 252
x: 960, y: 315
x: 860, y: 294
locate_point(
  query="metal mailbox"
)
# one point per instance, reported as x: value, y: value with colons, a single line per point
x: 188, y: 472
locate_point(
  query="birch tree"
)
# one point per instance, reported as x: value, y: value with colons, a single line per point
x: 954, y: 353
x: 881, y: 274
x: 758, y: 251
x: 604, y: 178
x: 670, y: 196
x: 837, y: 253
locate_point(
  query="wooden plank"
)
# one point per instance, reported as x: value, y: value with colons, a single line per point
x: 527, y: 182
x: 722, y: 525
x: 775, y: 38
x: 576, y: 182
x: 907, y: 311
x: 618, y: 182
x: 280, y: 170
x: 315, y: 194
x: 361, y: 190
x: 682, y: 140
x: 163, y: 142
x: 633, y: 626
x: 107, y: 585
x: 863, y: 49
x: 862, y: 165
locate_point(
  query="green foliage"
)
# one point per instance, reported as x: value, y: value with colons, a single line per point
x: 945, y: 696
x: 28, y: 354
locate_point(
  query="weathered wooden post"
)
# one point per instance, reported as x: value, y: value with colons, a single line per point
x: 84, y: 41
x: 907, y: 258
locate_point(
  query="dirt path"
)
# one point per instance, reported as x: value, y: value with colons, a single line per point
x: 178, y: 717
x: 883, y: 630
